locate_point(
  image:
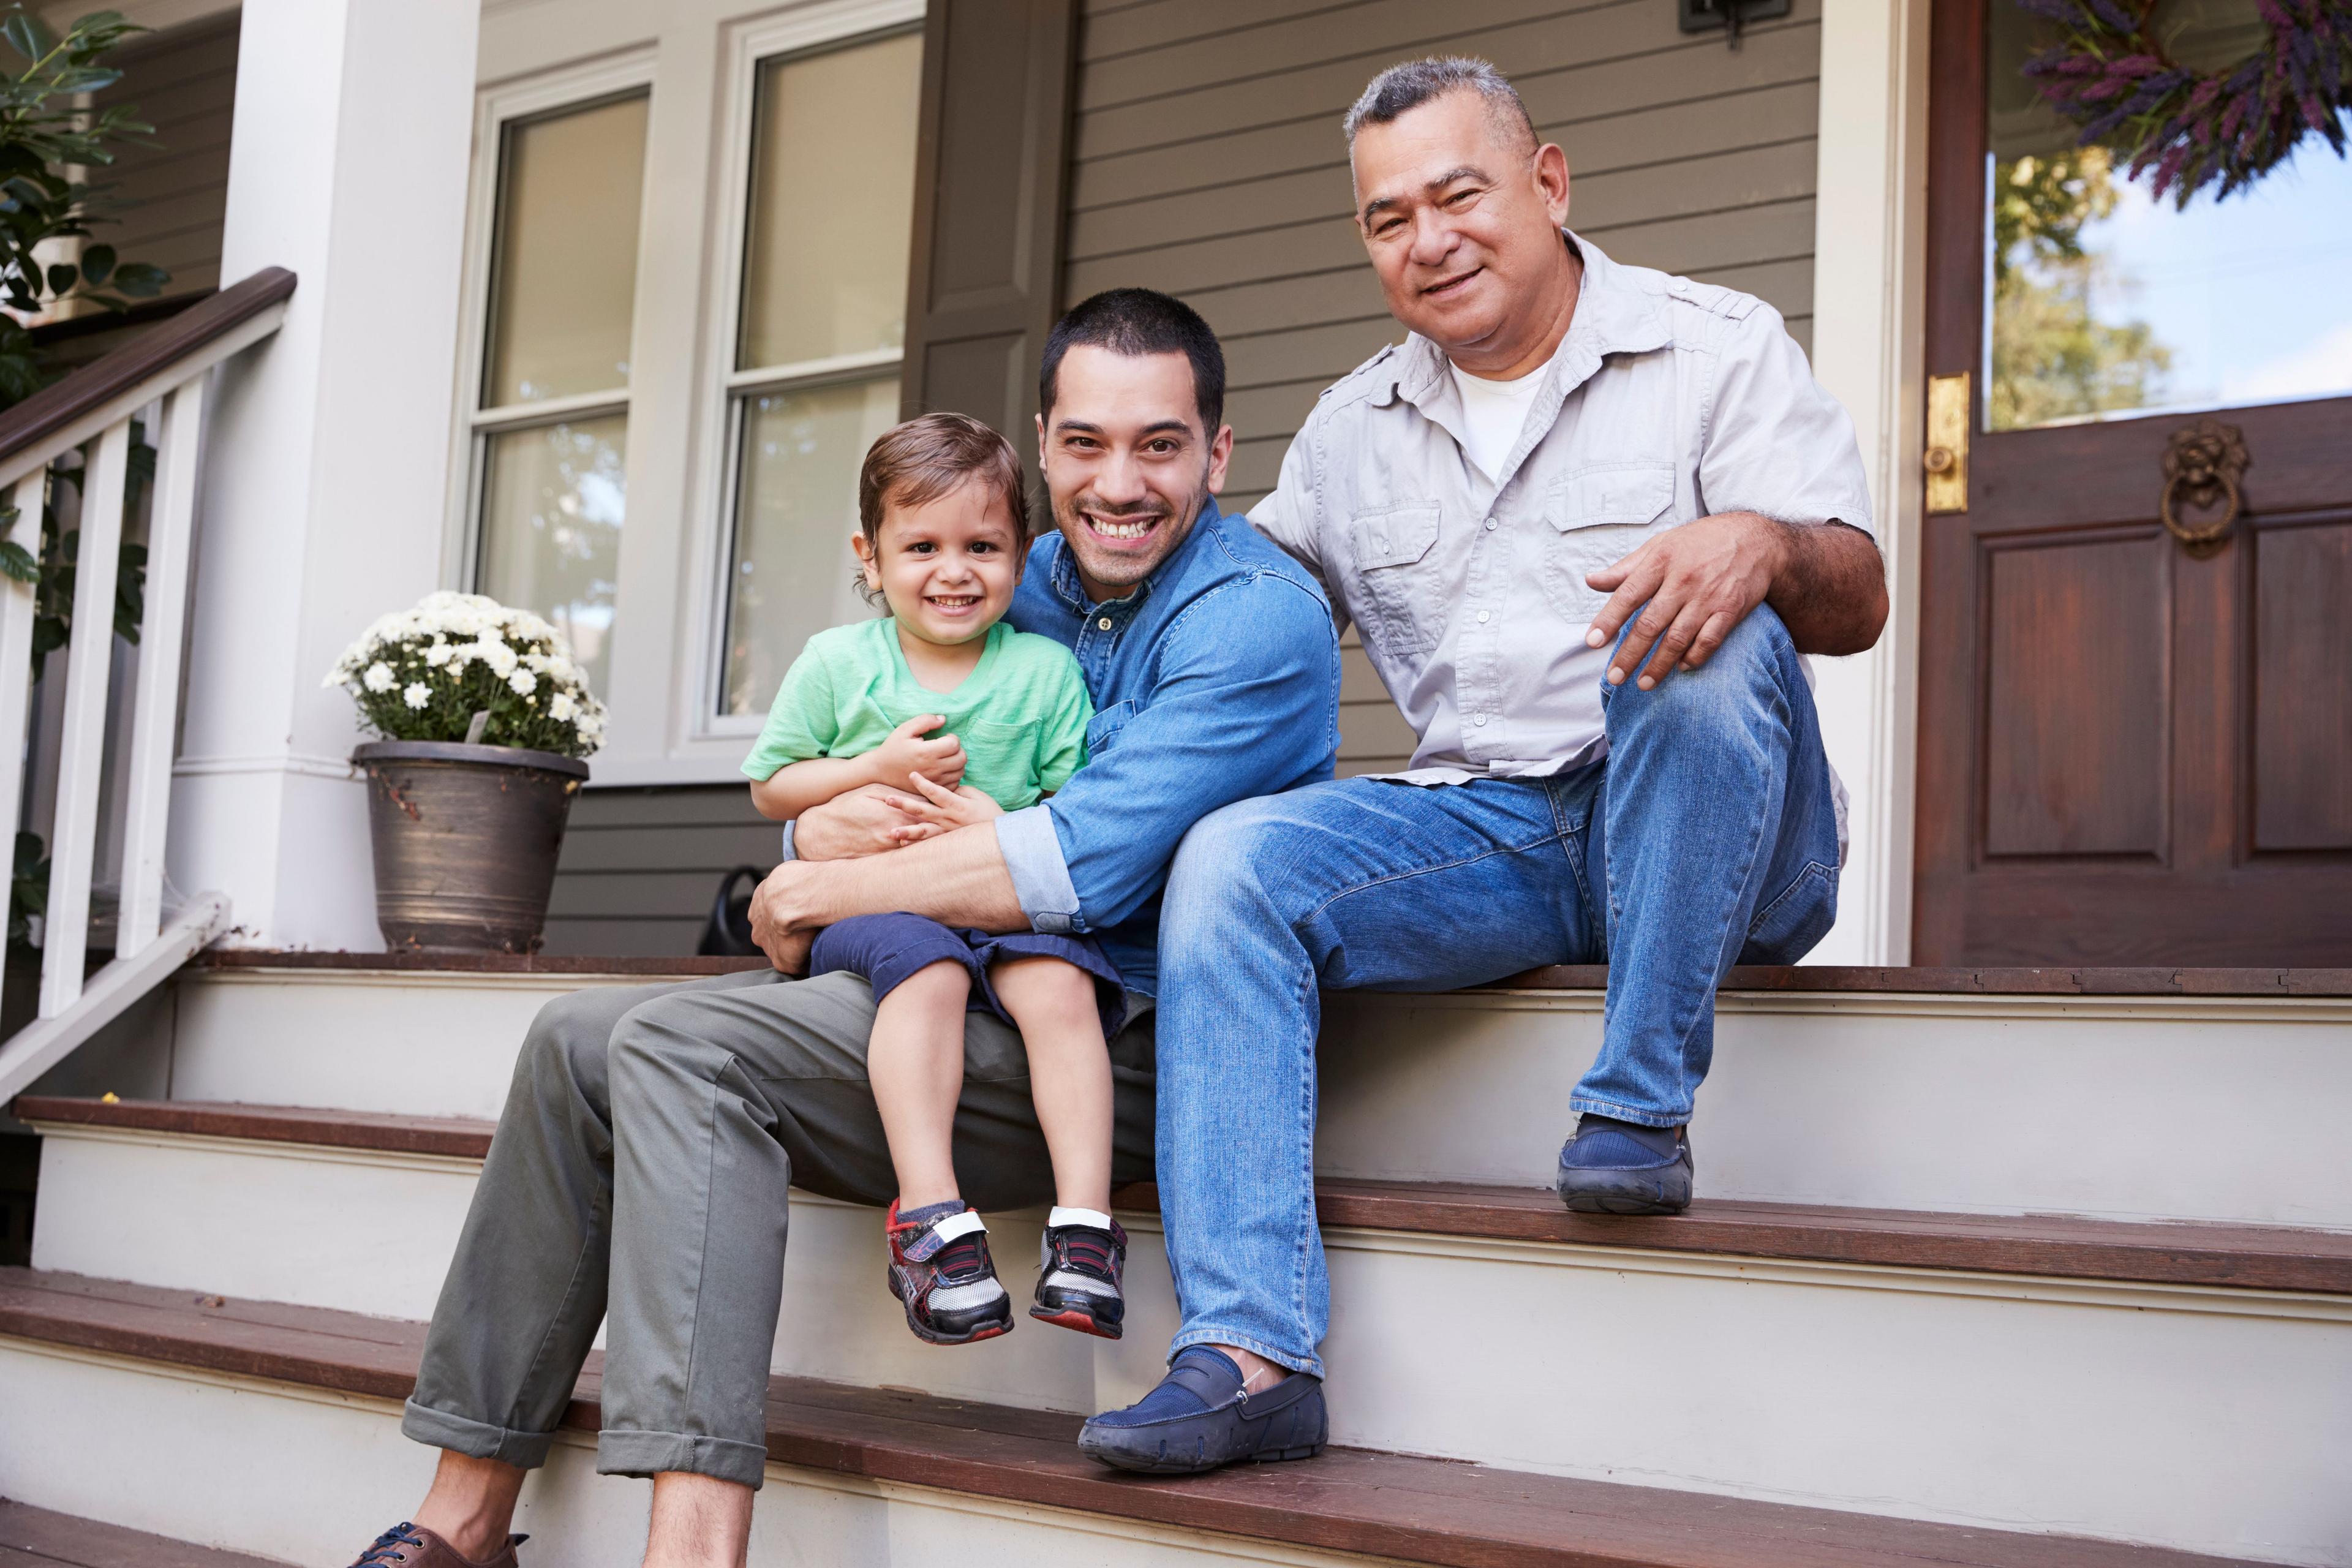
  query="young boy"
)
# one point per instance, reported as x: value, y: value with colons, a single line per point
x: 943, y: 699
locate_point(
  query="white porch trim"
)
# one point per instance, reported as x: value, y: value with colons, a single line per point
x: 1869, y: 341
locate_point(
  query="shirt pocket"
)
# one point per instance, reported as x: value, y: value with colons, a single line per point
x: 1401, y: 609
x: 1103, y: 728
x: 1602, y: 512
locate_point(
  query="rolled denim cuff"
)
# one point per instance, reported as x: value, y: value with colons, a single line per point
x: 1041, y: 873
x: 788, y: 854
x: 476, y: 1439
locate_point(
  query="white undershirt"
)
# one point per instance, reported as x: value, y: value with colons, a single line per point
x: 1493, y: 415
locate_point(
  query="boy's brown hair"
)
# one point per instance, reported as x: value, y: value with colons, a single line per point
x: 929, y: 456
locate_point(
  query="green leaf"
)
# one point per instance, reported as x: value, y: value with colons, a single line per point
x: 16, y: 562
x: 62, y: 278
x: 140, y: 280
x: 18, y: 29
x: 97, y: 262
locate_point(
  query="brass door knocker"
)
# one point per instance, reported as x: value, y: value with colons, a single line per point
x: 2203, y: 465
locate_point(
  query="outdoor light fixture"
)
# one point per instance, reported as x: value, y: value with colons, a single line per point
x: 1706, y: 15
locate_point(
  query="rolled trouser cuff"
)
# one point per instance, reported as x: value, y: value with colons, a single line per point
x: 630, y: 1453
x: 476, y: 1439
x: 1216, y: 1337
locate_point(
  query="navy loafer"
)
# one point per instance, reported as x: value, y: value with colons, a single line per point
x: 1198, y: 1418
x: 1618, y: 1167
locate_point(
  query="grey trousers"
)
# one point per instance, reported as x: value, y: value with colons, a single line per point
x: 640, y: 1171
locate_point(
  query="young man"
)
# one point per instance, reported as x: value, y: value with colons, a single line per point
x: 1566, y: 454
x: 1214, y: 670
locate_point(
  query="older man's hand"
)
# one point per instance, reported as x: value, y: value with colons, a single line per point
x: 862, y: 822
x: 774, y: 920
x: 1692, y: 585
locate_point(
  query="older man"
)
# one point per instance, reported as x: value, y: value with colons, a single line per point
x: 1586, y: 518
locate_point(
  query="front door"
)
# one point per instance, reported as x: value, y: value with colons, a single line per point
x: 2135, y: 656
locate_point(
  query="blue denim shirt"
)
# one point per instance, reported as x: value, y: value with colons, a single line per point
x: 1215, y: 680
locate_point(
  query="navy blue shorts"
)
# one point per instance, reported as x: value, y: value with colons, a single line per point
x: 886, y: 949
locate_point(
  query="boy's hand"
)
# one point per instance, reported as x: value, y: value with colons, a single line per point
x: 907, y: 752
x: 942, y: 809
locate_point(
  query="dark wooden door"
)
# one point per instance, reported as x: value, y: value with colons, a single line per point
x: 2131, y: 752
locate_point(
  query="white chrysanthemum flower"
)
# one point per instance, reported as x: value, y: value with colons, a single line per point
x: 561, y: 706
x: 437, y: 652
x: 379, y: 677
x: 417, y: 695
x: 523, y: 681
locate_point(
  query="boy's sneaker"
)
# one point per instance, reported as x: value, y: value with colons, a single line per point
x: 941, y: 1274
x: 1077, y: 1273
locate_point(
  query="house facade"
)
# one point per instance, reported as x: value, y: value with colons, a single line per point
x: 696, y: 255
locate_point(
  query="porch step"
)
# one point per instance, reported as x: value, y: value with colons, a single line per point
x: 2171, y: 1383
x: 2008, y: 1092
x: 36, y: 1538
x: 915, y: 1454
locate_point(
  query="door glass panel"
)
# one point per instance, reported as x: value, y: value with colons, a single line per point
x: 551, y: 511
x: 565, y: 266
x: 2106, y: 301
x: 833, y: 201
x: 797, y: 506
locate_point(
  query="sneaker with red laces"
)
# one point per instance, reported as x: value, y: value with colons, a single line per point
x: 943, y: 1275
x: 1081, y: 1258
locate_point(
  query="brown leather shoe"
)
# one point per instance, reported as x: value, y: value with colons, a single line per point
x: 407, y: 1545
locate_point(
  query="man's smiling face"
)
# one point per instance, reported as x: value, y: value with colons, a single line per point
x: 1461, y: 214
x: 1126, y: 463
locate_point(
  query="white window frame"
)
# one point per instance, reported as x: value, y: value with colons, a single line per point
x: 552, y: 93
x: 700, y: 59
x: 818, y: 30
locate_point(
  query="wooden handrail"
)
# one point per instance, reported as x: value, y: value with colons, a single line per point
x: 94, y: 385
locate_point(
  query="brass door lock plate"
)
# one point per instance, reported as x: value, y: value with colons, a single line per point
x: 1947, y: 457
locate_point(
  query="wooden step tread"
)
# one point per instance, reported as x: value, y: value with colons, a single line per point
x: 36, y: 1538
x: 1386, y: 1505
x: 2157, y: 981
x: 2245, y: 1257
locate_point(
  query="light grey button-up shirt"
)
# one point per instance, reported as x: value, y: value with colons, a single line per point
x: 1668, y: 400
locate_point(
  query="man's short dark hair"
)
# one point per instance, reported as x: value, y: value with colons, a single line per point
x: 1406, y: 87
x: 1134, y: 322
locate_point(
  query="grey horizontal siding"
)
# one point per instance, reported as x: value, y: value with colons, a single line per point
x: 173, y: 194
x: 640, y: 867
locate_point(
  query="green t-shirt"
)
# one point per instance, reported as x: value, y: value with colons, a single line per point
x: 1021, y: 714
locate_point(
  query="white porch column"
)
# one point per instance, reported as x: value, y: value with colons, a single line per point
x: 326, y: 477
x: 1869, y: 289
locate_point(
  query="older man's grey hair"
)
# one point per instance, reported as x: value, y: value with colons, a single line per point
x: 1406, y: 87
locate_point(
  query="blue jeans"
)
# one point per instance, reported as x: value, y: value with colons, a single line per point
x: 1708, y: 837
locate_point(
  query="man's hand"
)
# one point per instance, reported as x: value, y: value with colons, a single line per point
x: 945, y: 809
x: 1699, y: 581
x: 775, y: 922
x: 908, y: 755
x: 861, y: 822
x: 1695, y: 583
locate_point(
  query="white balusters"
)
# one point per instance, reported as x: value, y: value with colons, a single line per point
x: 15, y: 666
x: 155, y: 708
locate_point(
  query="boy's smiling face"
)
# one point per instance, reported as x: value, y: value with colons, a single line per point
x: 947, y: 567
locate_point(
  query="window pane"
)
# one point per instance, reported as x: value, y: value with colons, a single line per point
x: 551, y: 528
x: 566, y: 263
x: 833, y: 197
x: 796, y: 508
x: 2108, y: 301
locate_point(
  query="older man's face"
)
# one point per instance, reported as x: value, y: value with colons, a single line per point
x: 1462, y: 215
x: 1126, y: 463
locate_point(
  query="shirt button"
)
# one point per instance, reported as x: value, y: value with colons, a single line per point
x: 1484, y: 617
x: 1490, y: 523
x: 1480, y: 720
x: 1104, y: 623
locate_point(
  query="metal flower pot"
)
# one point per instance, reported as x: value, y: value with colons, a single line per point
x: 466, y: 839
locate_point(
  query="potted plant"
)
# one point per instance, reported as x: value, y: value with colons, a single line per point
x: 484, y: 718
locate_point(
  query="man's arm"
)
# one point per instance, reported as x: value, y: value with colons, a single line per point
x: 1694, y: 584
x: 958, y: 879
